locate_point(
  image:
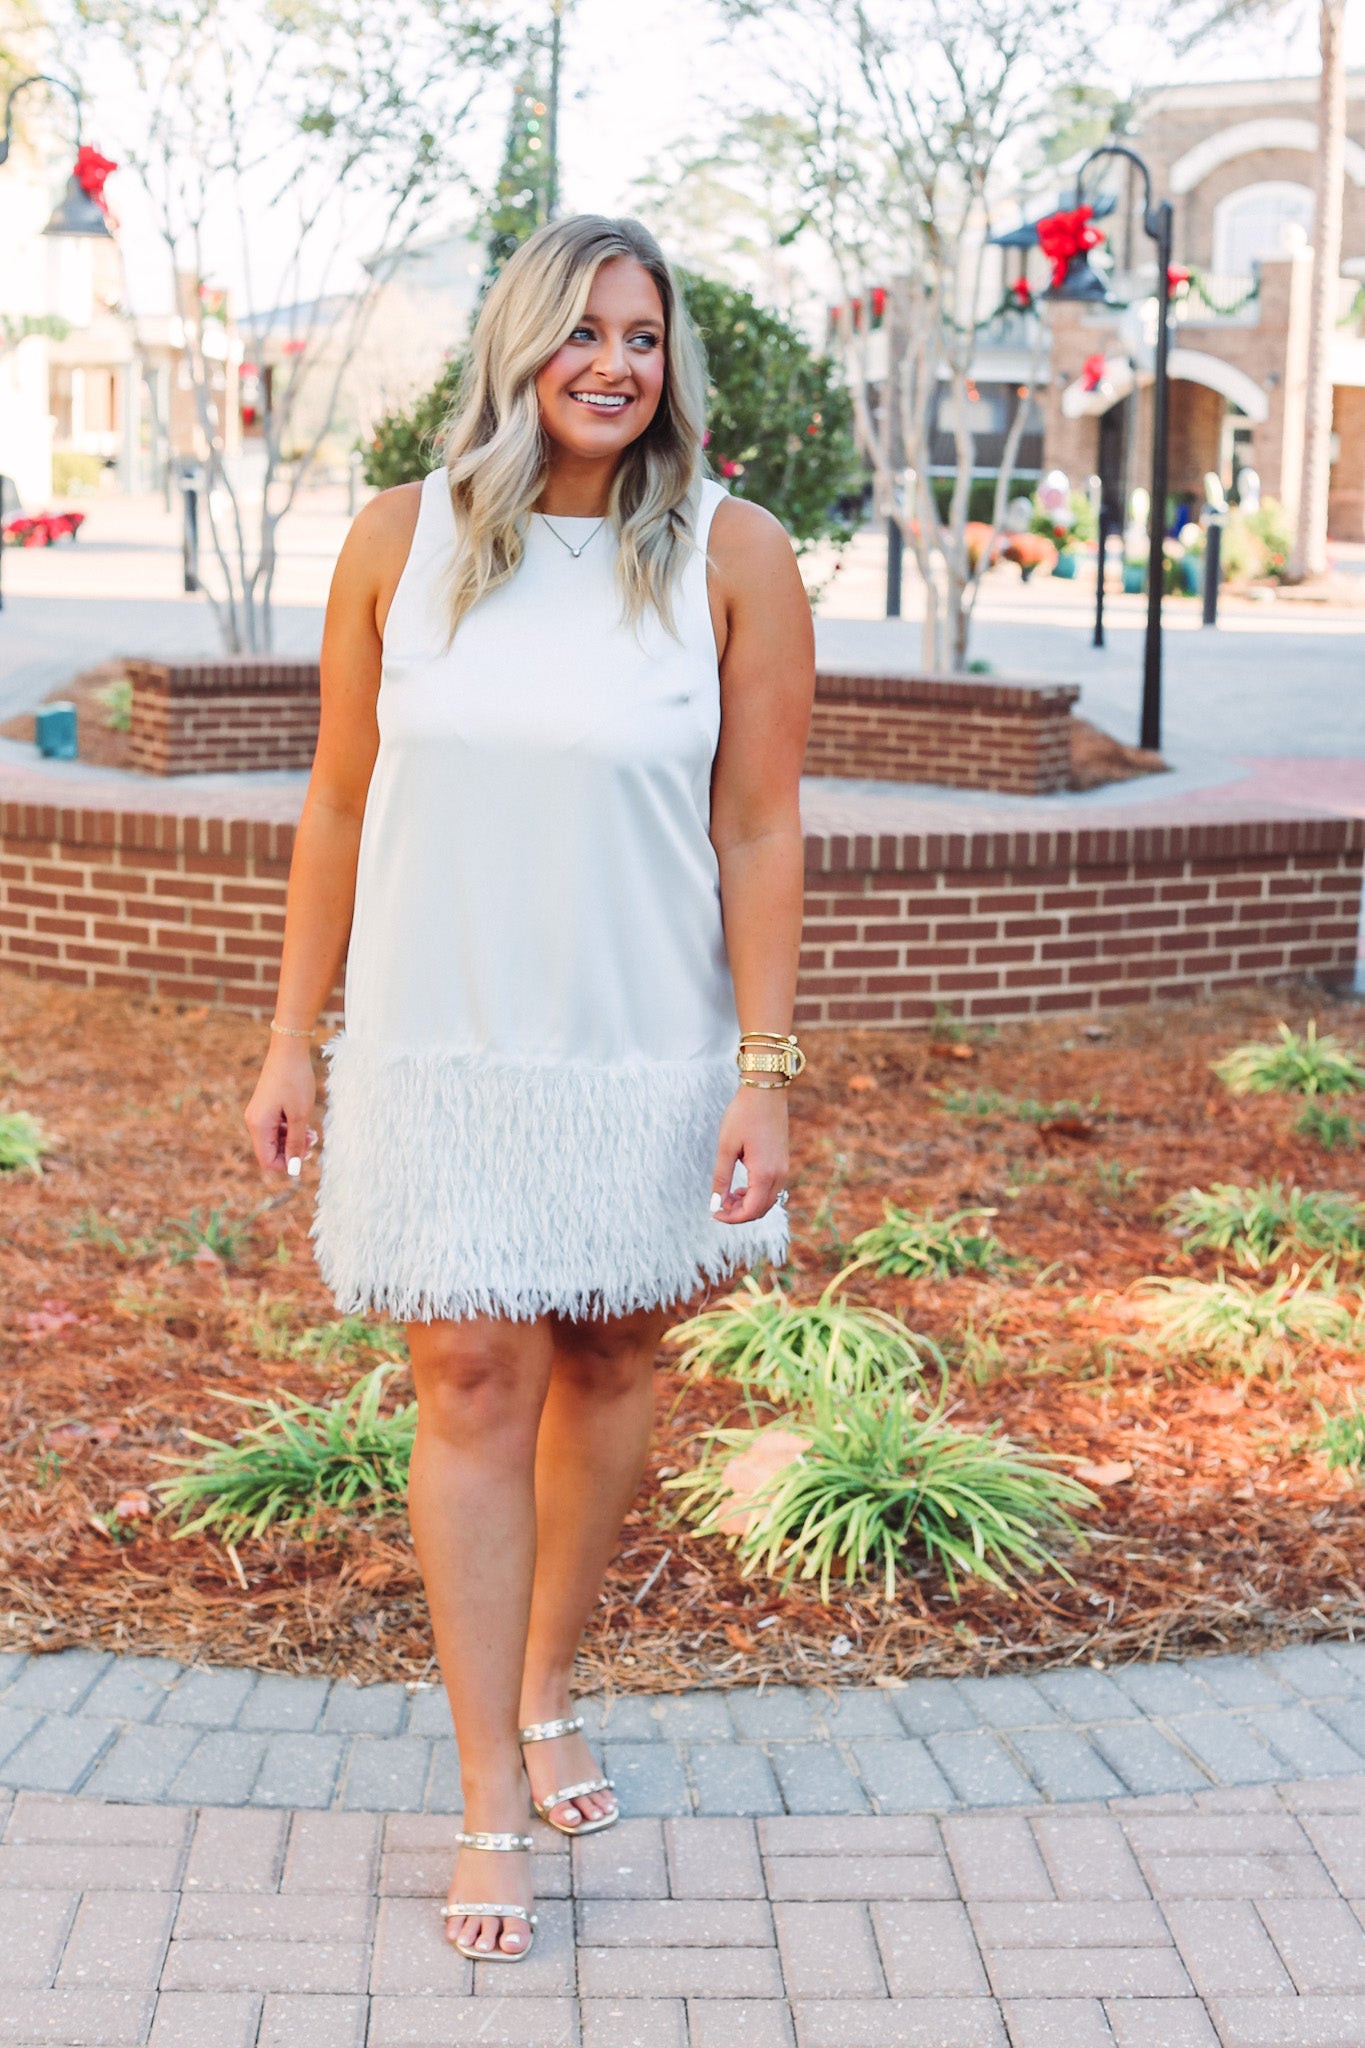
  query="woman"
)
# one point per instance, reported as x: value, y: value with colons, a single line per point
x: 565, y: 690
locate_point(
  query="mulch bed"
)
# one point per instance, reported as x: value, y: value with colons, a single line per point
x: 1228, y: 1534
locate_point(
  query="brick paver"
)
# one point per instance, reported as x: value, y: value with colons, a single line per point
x: 860, y: 1902
x: 149, y: 1729
x: 1231, y: 1921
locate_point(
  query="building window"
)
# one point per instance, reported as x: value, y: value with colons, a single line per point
x: 1257, y: 222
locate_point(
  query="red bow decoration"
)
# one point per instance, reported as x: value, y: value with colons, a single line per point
x: 1021, y: 291
x: 90, y: 172
x: 1093, y: 371
x: 1064, y: 235
x: 1176, y: 275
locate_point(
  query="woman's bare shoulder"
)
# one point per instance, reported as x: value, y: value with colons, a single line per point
x: 750, y: 549
x: 390, y: 517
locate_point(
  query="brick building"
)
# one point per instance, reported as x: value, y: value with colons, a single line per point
x: 1238, y: 163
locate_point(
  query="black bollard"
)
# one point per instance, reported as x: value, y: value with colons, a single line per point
x: 1213, y: 551
x: 895, y: 549
x: 189, y: 491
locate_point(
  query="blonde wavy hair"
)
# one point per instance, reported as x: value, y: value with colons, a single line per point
x: 494, y: 446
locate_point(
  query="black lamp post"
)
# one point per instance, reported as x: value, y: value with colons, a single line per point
x: 1083, y: 283
x: 76, y: 213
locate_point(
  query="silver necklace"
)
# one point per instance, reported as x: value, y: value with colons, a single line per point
x: 576, y: 551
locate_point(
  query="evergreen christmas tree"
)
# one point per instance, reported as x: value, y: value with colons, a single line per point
x: 521, y: 197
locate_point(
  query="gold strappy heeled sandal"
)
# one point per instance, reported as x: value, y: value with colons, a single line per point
x: 483, y: 1911
x: 546, y: 1731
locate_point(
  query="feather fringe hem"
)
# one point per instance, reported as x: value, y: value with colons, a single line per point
x: 455, y: 1185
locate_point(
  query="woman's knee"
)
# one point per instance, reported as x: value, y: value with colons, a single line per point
x: 475, y: 1379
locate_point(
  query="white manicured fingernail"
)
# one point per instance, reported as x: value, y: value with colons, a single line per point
x: 294, y: 1168
x: 715, y: 1205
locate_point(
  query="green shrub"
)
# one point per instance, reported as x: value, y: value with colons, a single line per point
x: 116, y: 701
x: 1290, y: 1065
x: 791, y: 1351
x: 1233, y: 1325
x: 910, y: 1245
x: 1333, y: 1129
x: 301, y: 1458
x: 23, y: 1141
x: 1261, y: 1224
x: 878, y: 1479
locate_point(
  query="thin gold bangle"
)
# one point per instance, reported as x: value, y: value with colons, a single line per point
x: 289, y: 1031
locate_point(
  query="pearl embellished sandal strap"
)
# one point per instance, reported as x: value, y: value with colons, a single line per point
x: 480, y: 1910
x: 506, y: 1843
x: 577, y: 1791
x: 546, y: 1731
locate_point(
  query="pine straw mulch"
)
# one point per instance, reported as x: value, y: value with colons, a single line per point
x: 1228, y: 1534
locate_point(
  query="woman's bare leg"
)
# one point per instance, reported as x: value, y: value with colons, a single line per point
x: 594, y: 1434
x: 471, y: 1496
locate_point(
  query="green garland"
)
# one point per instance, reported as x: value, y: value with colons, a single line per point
x: 1198, y: 286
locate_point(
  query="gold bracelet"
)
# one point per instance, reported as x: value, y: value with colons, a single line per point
x: 773, y: 1053
x: 288, y: 1030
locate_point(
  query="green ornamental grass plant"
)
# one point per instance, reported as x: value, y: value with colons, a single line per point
x: 349, y: 1340
x: 791, y: 1351
x: 1239, y: 1327
x: 300, y: 1458
x: 1333, y: 1129
x: 23, y: 1141
x: 187, y: 1238
x: 988, y: 1104
x: 882, y: 1477
x: 1292, y: 1065
x: 1262, y: 1224
x: 915, y: 1245
x: 1341, y: 1440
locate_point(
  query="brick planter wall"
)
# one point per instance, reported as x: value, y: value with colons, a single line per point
x: 1014, y: 737
x: 1004, y: 924
x: 239, y: 712
x: 249, y: 711
x: 992, y: 924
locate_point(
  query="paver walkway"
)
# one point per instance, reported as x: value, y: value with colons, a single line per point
x: 1161, y: 1856
x: 145, y: 1729
x: 1181, y: 1921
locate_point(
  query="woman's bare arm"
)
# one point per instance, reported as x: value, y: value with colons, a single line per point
x: 767, y: 673
x: 322, y: 872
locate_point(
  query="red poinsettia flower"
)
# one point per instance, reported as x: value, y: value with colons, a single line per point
x: 1021, y: 291
x: 1064, y: 235
x: 1093, y: 372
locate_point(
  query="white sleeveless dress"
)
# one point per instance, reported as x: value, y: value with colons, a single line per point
x: 540, y: 1022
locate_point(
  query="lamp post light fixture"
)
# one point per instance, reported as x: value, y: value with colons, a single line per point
x: 1084, y: 285
x: 78, y: 212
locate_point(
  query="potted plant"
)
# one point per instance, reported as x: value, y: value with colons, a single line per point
x: 1030, y: 551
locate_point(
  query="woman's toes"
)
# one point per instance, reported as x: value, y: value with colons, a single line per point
x: 488, y: 1935
x: 514, y: 1937
x: 570, y: 1814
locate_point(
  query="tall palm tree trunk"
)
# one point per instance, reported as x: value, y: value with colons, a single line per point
x: 1309, y: 557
